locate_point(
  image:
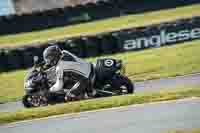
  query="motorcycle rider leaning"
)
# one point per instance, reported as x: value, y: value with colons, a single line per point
x: 66, y: 62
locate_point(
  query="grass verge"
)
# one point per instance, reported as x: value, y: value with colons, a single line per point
x: 100, y: 26
x: 26, y: 114
x: 186, y: 131
x: 144, y: 65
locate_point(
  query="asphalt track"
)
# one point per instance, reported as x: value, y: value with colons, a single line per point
x: 150, y: 85
x: 145, y: 118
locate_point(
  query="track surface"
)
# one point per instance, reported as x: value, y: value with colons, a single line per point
x: 150, y: 85
x: 146, y: 118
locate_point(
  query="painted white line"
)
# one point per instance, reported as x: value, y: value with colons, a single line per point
x: 78, y: 115
x: 171, y: 77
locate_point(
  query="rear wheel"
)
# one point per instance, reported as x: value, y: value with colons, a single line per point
x: 122, y: 85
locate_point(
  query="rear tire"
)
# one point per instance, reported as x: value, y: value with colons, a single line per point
x: 123, y: 85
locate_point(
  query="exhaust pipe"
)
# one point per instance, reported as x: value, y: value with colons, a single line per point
x: 103, y: 92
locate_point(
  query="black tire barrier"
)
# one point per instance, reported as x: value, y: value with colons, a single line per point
x: 91, y: 46
x: 76, y: 46
x: 3, y: 59
x: 14, y: 59
x: 58, y: 17
x: 132, y: 39
x: 109, y: 44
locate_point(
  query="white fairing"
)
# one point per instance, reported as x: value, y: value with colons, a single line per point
x: 27, y: 85
x: 78, y: 66
x: 59, y: 81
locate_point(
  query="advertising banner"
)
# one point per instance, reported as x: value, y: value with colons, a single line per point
x: 137, y: 38
x: 161, y: 35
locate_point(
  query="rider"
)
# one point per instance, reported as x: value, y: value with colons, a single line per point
x: 64, y: 61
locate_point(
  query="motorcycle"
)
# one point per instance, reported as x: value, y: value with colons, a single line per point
x: 109, y: 80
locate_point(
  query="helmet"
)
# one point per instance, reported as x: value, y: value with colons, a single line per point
x: 52, y: 55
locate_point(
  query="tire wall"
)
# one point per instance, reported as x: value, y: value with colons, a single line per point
x: 42, y: 19
x: 133, y: 39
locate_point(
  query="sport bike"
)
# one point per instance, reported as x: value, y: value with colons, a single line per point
x: 109, y: 80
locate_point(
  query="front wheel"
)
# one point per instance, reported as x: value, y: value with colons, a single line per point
x: 122, y: 85
x: 34, y: 100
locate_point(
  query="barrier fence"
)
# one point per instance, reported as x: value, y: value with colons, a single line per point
x: 133, y: 39
x: 39, y: 20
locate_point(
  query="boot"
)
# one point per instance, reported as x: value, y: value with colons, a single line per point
x: 92, y: 93
x: 70, y: 97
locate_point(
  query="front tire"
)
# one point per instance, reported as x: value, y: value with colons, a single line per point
x: 34, y: 101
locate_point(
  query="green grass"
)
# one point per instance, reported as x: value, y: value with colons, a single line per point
x: 73, y: 107
x: 186, y: 131
x: 12, y: 85
x: 156, y: 63
x: 100, y: 26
